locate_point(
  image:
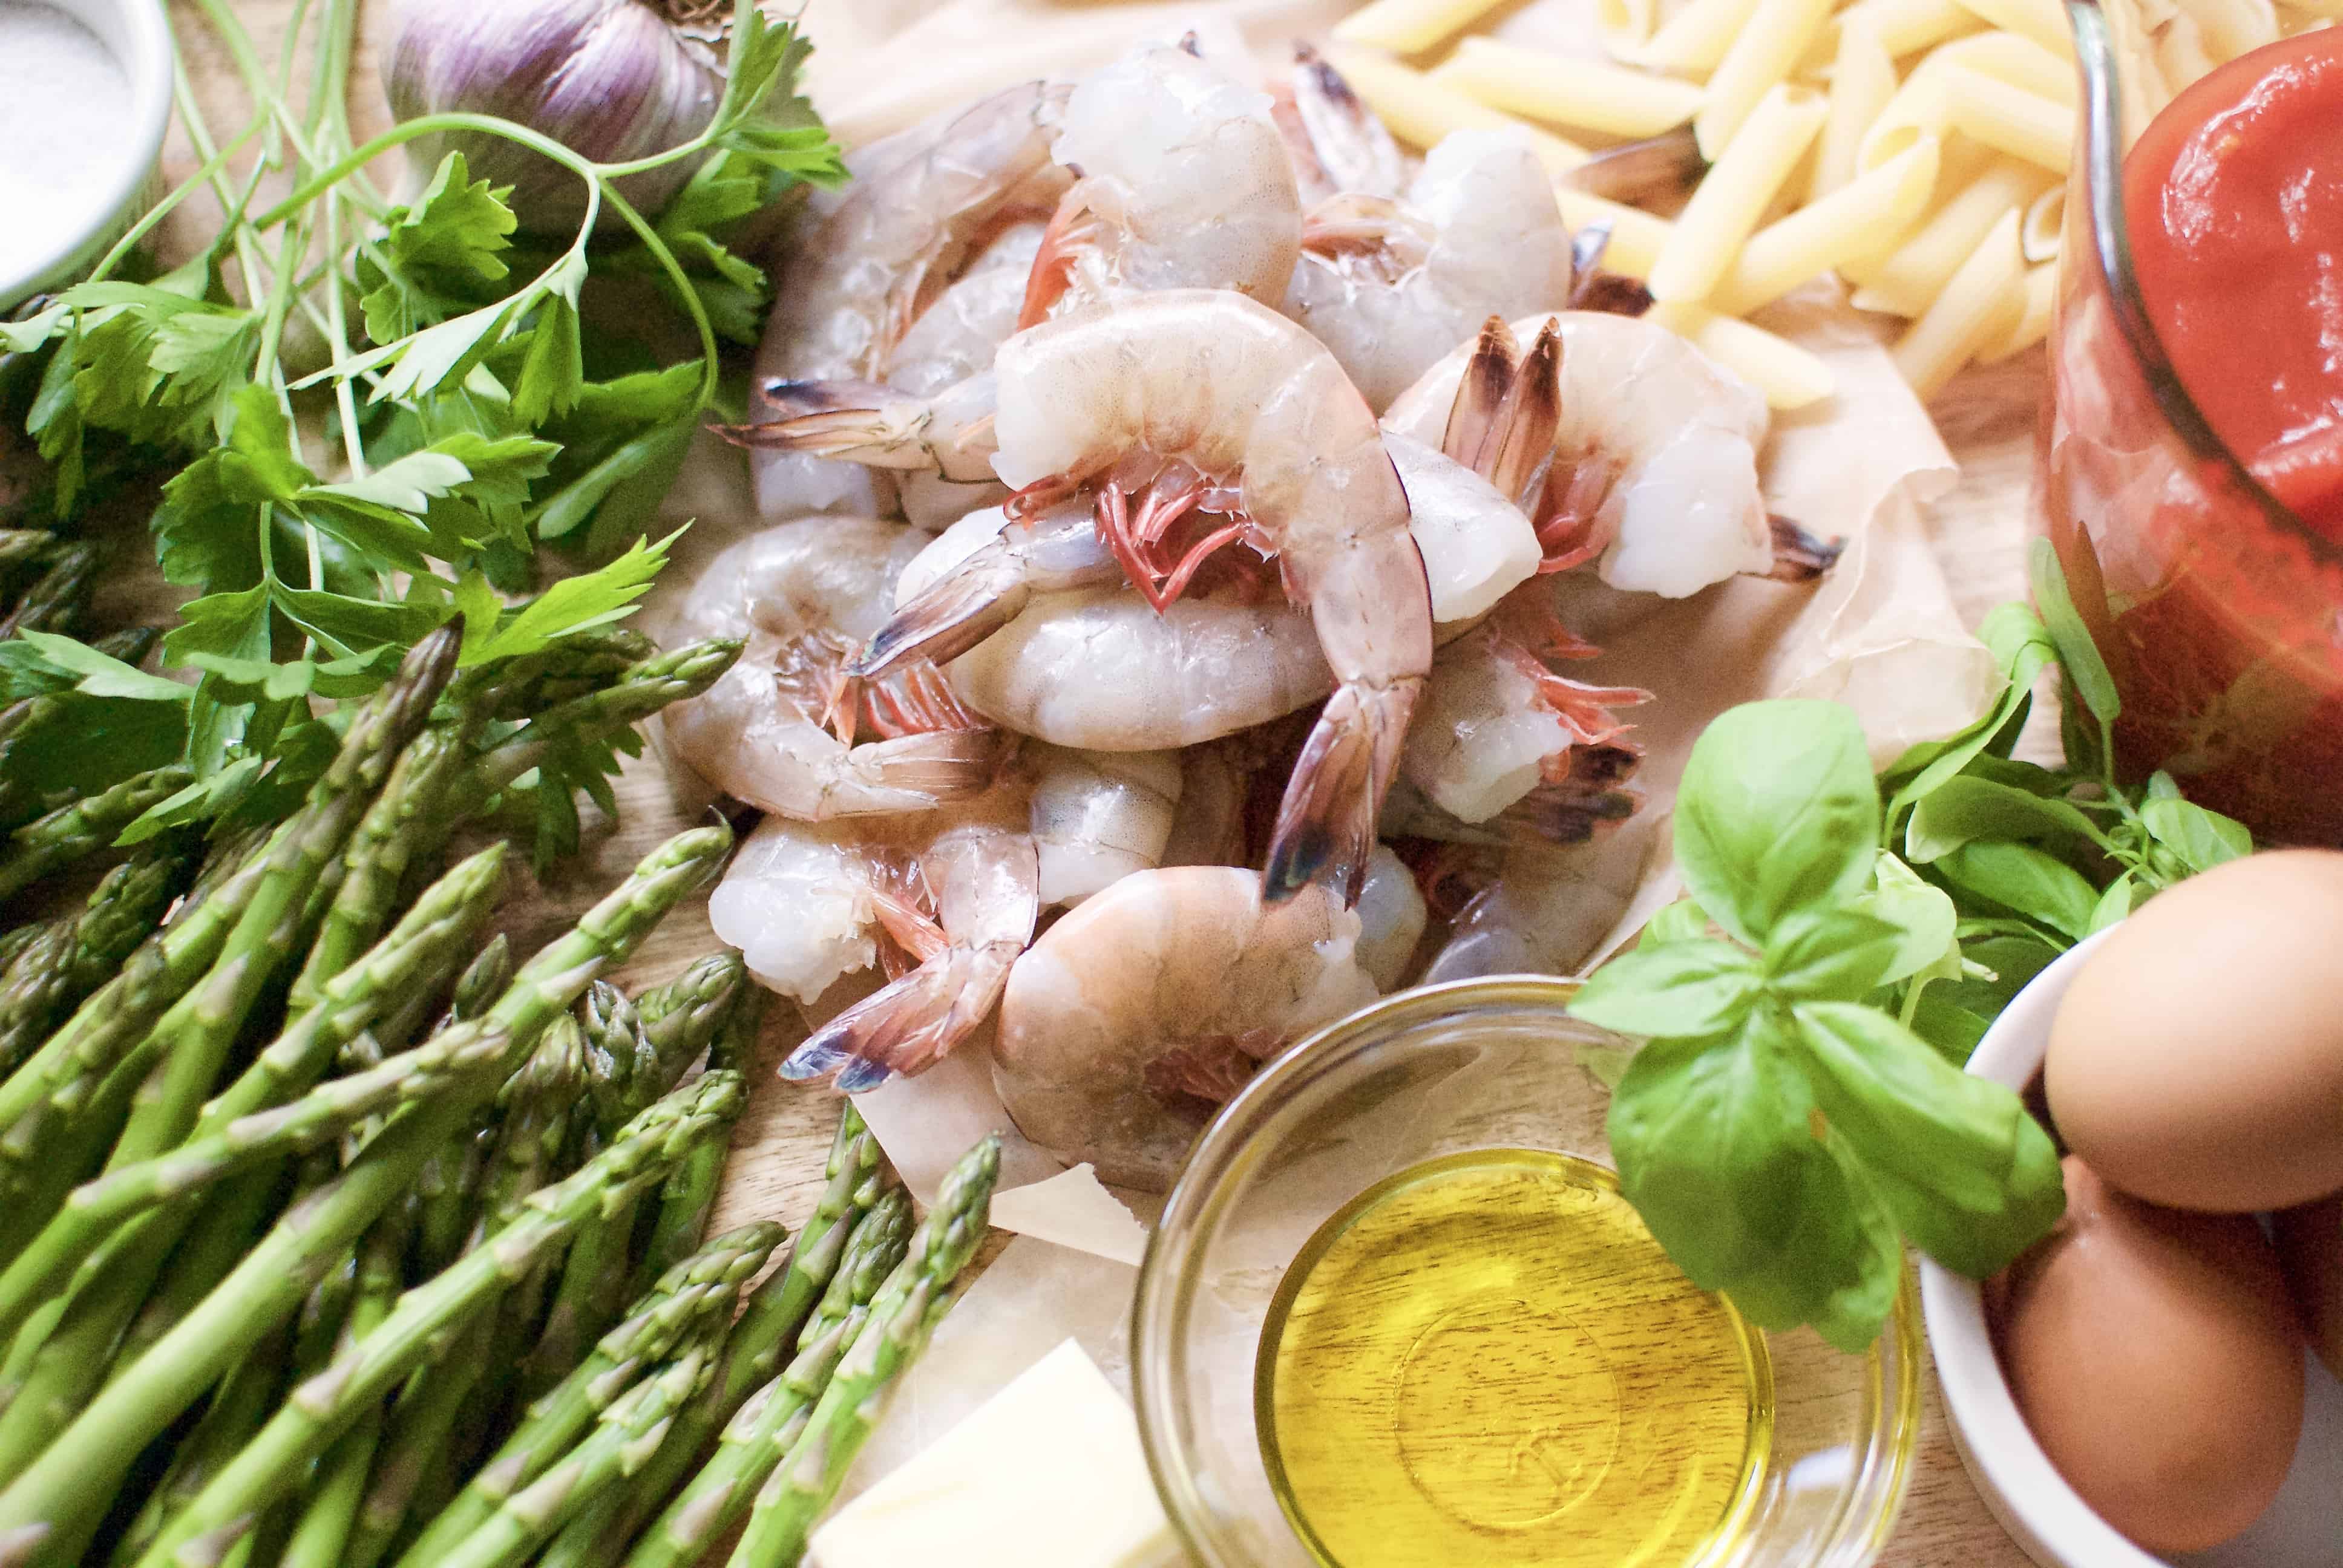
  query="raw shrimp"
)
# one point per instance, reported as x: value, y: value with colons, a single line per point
x: 1184, y: 392
x: 1392, y: 918
x: 1336, y: 143
x: 1132, y: 1016
x: 1547, y: 909
x: 957, y: 889
x: 1653, y: 464
x: 1097, y: 817
x: 1184, y: 184
x: 1391, y: 286
x: 865, y: 273
x: 803, y: 594
x: 953, y: 339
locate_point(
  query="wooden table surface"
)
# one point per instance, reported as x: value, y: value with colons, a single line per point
x: 1979, y: 530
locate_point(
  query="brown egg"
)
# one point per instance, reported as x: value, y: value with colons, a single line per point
x: 2197, y: 1059
x: 2159, y: 1363
x: 2310, y: 1250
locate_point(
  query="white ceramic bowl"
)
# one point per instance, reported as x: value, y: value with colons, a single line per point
x: 137, y: 35
x: 2033, y: 1503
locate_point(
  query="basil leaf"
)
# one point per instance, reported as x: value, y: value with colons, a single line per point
x: 1700, y: 987
x: 2023, y: 877
x: 1925, y: 916
x: 2113, y: 904
x: 1839, y: 1262
x: 2077, y: 652
x: 1832, y: 954
x: 1712, y: 1140
x: 1777, y: 811
x: 1970, y: 1176
x: 1966, y: 809
x: 1684, y: 920
x: 2023, y: 650
x: 2162, y: 786
x: 2201, y: 839
x: 1950, y: 1029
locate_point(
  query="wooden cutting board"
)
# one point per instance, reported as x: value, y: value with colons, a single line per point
x: 1978, y: 531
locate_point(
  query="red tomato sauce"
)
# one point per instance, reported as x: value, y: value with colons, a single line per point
x: 2234, y: 199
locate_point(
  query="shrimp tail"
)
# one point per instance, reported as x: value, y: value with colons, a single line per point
x: 910, y: 1026
x: 945, y: 620
x: 1326, y: 824
x: 877, y: 425
x: 1073, y: 228
x: 1798, y: 556
x: 1488, y: 377
x: 941, y: 765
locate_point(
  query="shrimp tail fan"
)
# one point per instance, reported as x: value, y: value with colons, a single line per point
x: 837, y: 418
x: 942, y: 765
x: 1326, y: 824
x: 945, y: 620
x: 912, y: 1025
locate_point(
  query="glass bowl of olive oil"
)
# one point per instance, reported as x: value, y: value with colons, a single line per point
x: 1398, y: 1315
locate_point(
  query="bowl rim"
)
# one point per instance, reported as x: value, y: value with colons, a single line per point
x: 1874, y: 1494
x: 2021, y: 1488
x: 146, y: 55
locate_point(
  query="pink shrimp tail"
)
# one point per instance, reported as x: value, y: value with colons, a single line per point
x: 910, y: 1026
x: 1072, y: 228
x: 1326, y: 823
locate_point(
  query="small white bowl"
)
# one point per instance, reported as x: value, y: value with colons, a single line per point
x: 2025, y: 1492
x: 138, y: 35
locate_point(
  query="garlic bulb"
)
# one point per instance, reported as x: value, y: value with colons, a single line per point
x: 613, y: 80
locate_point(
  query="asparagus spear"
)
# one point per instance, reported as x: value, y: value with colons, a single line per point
x: 49, y: 843
x: 131, y: 645
x: 643, y: 690
x: 906, y: 1312
x: 515, y: 689
x: 689, y: 1195
x: 239, y: 1408
x: 56, y: 1500
x: 271, y: 1466
x: 777, y: 1312
x: 56, y: 599
x: 628, y: 1434
x: 75, y: 957
x: 697, y: 1295
x: 758, y: 1436
x: 428, y: 943
x: 323, y: 1528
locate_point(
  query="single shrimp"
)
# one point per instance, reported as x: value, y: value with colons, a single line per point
x: 1335, y: 142
x: 1542, y: 910
x: 1173, y: 396
x: 1652, y: 470
x: 1184, y: 184
x: 955, y: 889
x: 865, y: 274
x: 1135, y: 1014
x: 1391, y: 285
x: 804, y: 595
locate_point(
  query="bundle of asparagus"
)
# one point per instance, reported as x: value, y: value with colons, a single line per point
x: 320, y: 1215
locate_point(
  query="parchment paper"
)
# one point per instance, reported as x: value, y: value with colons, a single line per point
x: 1880, y: 633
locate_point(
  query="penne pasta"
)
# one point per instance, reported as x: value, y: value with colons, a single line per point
x: 2008, y: 57
x: 1759, y: 59
x: 1586, y: 94
x: 1976, y: 309
x: 2232, y: 28
x: 1908, y: 27
x: 1739, y: 186
x: 1784, y: 375
x: 1409, y: 26
x: 2010, y: 119
x: 1637, y: 237
x: 1863, y: 81
x: 2042, y: 22
x: 1625, y: 26
x: 1866, y: 217
x: 2043, y: 229
x: 1420, y: 111
x: 1697, y: 37
x: 2030, y: 322
x: 1916, y: 271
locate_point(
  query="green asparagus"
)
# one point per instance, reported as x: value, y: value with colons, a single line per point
x: 272, y: 1464
x: 755, y: 1439
x: 689, y: 1196
x: 696, y: 1295
x: 56, y: 599
x: 906, y: 1312
x: 777, y: 1312
x: 57, y: 1498
x: 48, y: 844
x: 644, y: 690
x: 45, y: 983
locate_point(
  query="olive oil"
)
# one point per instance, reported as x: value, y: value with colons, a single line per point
x: 1486, y: 1361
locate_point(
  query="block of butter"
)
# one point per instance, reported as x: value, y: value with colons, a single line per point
x: 1048, y: 1471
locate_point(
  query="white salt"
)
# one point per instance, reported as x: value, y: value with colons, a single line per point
x: 65, y: 131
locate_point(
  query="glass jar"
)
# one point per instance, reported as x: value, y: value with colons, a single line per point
x: 1439, y: 1070
x: 2219, y: 610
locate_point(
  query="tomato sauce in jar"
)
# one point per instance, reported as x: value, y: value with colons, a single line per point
x: 2216, y: 599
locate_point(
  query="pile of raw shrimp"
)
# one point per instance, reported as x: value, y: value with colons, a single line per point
x: 1184, y: 481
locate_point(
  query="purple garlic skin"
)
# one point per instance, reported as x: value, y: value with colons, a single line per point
x: 613, y: 80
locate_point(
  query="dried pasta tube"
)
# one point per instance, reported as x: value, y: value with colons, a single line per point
x: 1784, y: 375
x: 1727, y: 206
x: 1420, y: 111
x: 1863, y: 81
x: 1410, y: 26
x: 1759, y: 59
x: 1866, y: 218
x: 1588, y: 95
x: 1976, y: 310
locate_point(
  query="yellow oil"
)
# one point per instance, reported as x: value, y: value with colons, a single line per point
x: 1486, y: 1361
